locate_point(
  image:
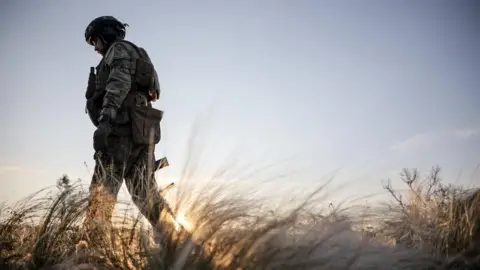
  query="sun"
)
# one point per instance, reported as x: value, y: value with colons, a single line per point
x: 182, y: 220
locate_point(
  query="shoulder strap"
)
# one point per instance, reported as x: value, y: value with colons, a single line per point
x: 141, y: 52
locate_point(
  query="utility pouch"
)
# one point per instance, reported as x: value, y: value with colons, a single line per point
x: 145, y: 125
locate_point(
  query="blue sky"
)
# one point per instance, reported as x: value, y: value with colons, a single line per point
x: 367, y: 88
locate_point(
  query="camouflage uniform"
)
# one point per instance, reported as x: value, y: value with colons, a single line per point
x: 134, y: 132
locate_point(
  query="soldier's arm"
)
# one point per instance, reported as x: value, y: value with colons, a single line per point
x: 120, y: 79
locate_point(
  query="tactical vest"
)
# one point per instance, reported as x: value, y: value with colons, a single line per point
x: 143, y: 90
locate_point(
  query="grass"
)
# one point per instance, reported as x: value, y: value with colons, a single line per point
x: 438, y: 219
x: 431, y: 226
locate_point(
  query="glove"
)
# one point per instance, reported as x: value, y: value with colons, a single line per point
x: 100, y: 136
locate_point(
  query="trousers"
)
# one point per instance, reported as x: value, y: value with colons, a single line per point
x: 124, y: 160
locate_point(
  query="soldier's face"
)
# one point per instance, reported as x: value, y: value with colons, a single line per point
x: 99, y: 46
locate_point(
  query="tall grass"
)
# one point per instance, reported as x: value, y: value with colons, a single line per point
x: 438, y: 219
x: 229, y: 230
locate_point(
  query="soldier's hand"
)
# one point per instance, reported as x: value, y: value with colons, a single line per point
x: 100, y: 136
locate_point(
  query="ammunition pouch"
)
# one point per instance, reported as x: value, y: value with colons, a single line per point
x: 145, y: 122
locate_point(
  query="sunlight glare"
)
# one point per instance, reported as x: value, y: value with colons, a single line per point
x: 181, y: 220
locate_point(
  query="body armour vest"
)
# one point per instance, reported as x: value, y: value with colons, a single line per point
x: 144, y: 89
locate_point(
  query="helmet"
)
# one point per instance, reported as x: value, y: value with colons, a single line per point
x: 107, y: 27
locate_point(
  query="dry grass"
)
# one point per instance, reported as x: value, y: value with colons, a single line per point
x: 229, y: 230
x: 438, y: 219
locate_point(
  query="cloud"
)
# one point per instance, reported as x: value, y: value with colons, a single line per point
x: 429, y: 139
x: 466, y: 133
x: 419, y: 141
x: 7, y: 169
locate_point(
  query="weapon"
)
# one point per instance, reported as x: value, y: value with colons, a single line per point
x: 91, y: 84
x: 94, y: 98
x: 161, y: 163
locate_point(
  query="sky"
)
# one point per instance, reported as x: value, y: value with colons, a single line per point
x: 358, y: 90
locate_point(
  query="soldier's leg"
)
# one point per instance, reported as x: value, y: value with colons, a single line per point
x: 106, y: 181
x: 142, y: 185
x: 103, y: 189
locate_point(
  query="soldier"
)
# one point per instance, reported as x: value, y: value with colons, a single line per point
x: 119, y: 100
